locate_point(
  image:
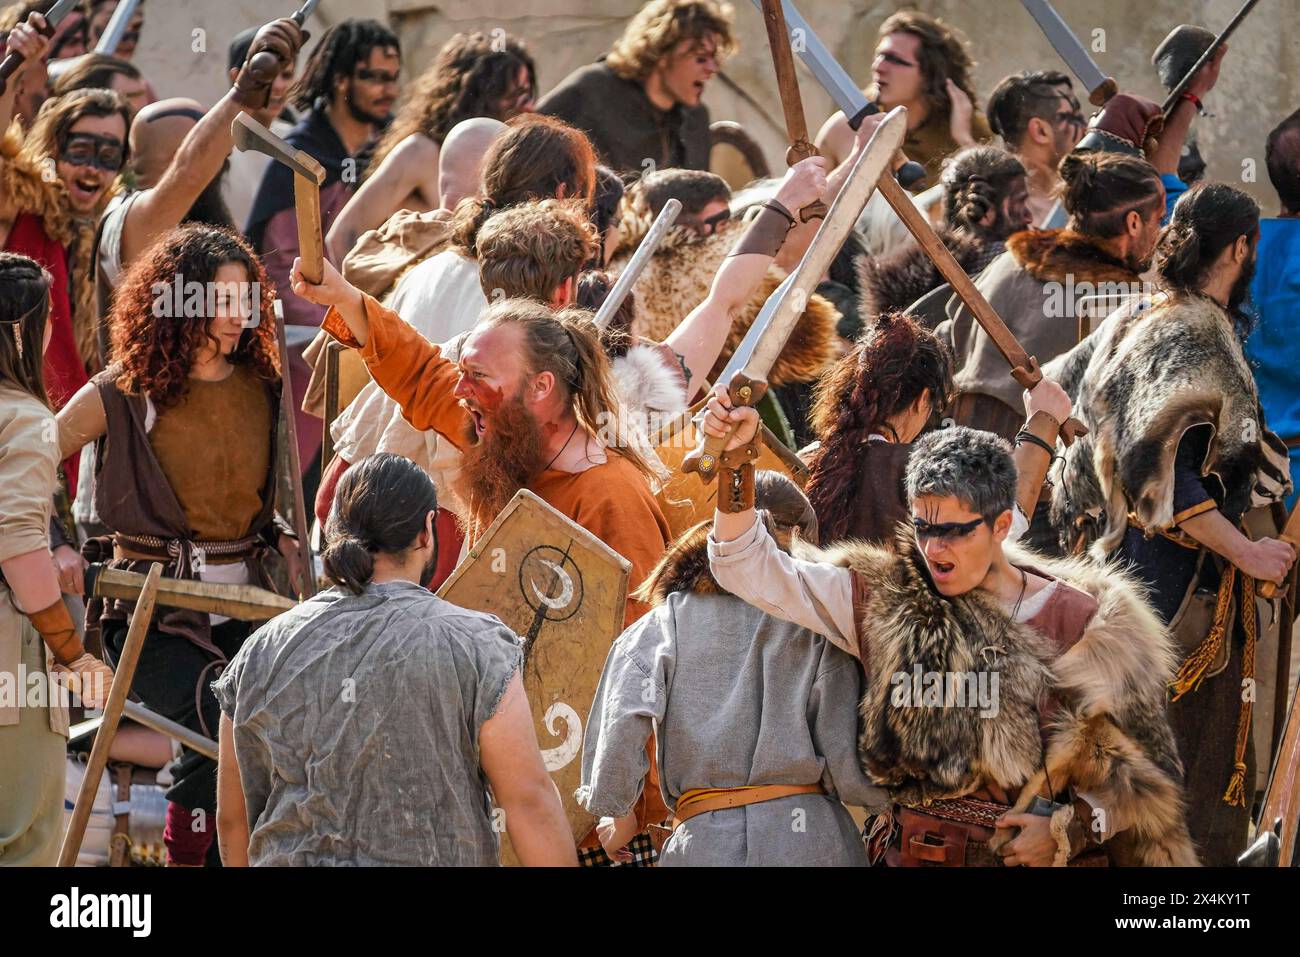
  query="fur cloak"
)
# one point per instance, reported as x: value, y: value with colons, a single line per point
x: 895, y: 280
x: 1105, y: 695
x: 678, y: 278
x: 1144, y: 381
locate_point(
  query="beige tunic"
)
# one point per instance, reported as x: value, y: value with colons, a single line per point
x: 33, y: 719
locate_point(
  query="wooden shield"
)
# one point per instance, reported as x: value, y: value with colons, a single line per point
x: 685, y: 500
x: 563, y: 591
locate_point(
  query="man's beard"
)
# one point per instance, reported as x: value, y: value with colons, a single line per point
x: 1241, y: 288
x: 361, y: 115
x: 505, y: 459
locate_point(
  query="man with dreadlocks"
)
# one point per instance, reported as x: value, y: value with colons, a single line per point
x: 472, y: 75
x: 184, y: 426
x: 1178, y: 451
x: 347, y: 90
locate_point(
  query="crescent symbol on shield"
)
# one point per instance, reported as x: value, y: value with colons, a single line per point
x: 566, y: 591
x: 553, y: 759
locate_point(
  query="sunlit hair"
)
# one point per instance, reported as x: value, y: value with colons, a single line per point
x: 380, y: 507
x: 468, y: 78
x: 45, y: 140
x: 1022, y: 97
x: 93, y: 71
x: 977, y: 181
x: 662, y: 24
x: 1102, y: 188
x: 565, y: 343
x: 971, y: 466
x: 531, y: 159
x: 531, y: 249
x: 156, y: 355
x: 943, y: 55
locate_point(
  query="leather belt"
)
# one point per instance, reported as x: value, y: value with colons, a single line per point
x: 152, y: 548
x: 701, y: 800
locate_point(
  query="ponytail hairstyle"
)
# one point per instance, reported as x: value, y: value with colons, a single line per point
x: 1101, y: 189
x: 567, y: 345
x: 976, y: 181
x: 531, y: 159
x: 380, y: 506
x: 24, y: 312
x: 893, y: 363
x: 1209, y: 217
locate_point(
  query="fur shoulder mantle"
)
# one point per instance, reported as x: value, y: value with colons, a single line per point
x: 1154, y: 376
x: 678, y: 278
x: 1100, y: 699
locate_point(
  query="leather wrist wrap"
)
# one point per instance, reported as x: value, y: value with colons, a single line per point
x: 736, y: 478
x: 766, y: 232
x: 55, y: 626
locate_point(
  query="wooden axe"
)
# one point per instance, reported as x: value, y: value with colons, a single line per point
x: 308, y: 175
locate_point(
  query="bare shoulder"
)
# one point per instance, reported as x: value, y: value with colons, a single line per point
x: 415, y: 149
x: 835, y: 138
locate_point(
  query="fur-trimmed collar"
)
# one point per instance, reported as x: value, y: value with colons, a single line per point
x: 895, y: 280
x: 1050, y: 255
x: 646, y: 384
x: 1109, y: 685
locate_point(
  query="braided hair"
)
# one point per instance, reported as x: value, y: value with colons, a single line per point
x: 892, y: 365
x: 24, y: 312
x: 976, y: 182
x: 1101, y: 189
x: 470, y: 76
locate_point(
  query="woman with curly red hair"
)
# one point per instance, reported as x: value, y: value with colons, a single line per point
x: 184, y: 426
x: 874, y: 403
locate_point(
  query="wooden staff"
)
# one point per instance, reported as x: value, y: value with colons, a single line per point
x: 122, y: 679
x: 1290, y: 535
x: 244, y: 602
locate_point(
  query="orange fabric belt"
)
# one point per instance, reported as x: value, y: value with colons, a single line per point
x: 699, y: 800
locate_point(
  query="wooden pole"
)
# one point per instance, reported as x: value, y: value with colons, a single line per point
x: 122, y: 678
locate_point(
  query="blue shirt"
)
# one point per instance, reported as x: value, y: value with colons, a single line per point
x: 1174, y: 189
x: 1274, y: 346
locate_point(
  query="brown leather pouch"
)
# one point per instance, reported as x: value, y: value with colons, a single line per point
x: 928, y: 841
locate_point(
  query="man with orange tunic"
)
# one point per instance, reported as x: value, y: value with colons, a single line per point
x: 524, y: 404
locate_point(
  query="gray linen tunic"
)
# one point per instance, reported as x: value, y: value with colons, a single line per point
x: 356, y: 725
x: 737, y: 697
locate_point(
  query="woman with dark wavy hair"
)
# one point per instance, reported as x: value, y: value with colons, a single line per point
x: 473, y: 75
x: 874, y: 403
x: 184, y: 426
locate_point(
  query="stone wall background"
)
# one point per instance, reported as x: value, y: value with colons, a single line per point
x: 1260, y: 81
